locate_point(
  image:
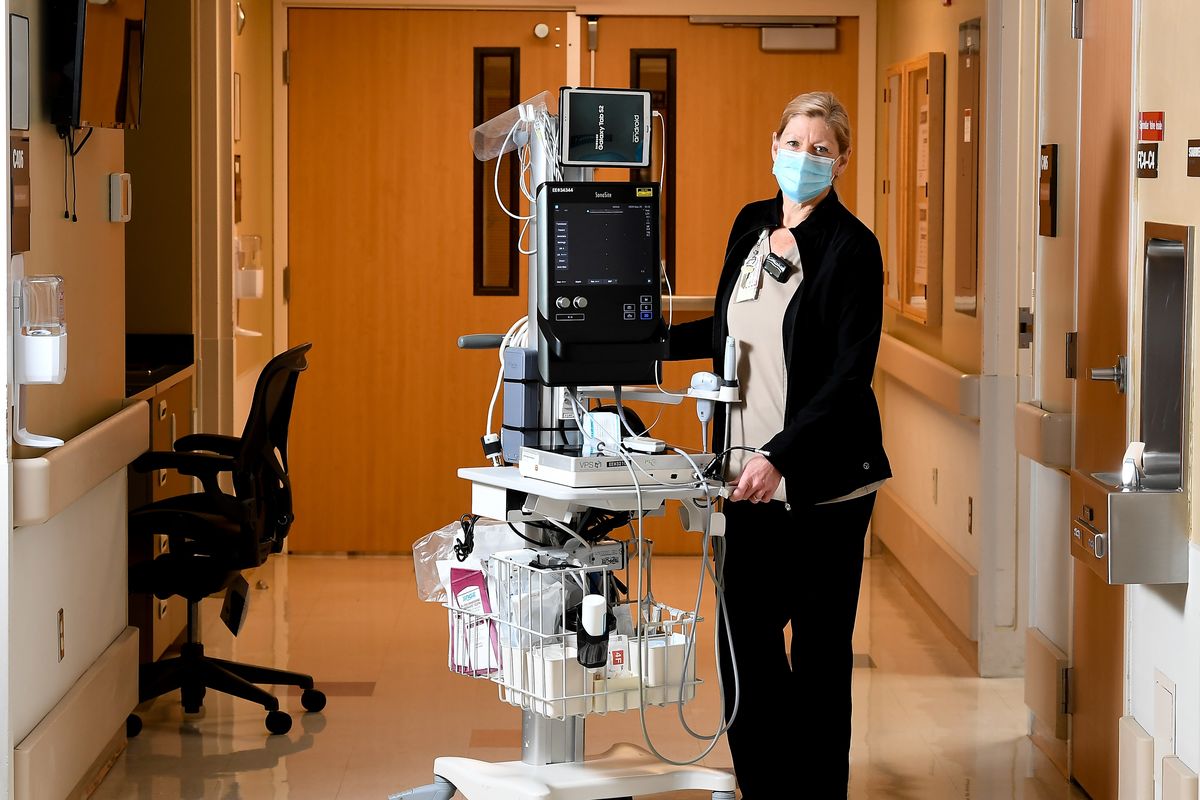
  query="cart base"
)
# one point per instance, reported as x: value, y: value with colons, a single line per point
x: 623, y: 770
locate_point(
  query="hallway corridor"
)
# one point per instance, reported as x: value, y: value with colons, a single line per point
x: 925, y: 728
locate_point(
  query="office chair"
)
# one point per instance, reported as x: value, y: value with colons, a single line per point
x: 213, y: 536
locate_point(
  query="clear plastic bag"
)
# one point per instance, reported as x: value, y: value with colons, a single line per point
x: 434, y: 554
x: 492, y: 138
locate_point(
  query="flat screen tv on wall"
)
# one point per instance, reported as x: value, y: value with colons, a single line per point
x: 94, y: 51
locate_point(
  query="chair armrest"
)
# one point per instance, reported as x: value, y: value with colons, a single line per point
x: 212, y: 442
x: 204, y: 466
x: 200, y: 465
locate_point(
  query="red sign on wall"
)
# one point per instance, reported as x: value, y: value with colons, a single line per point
x: 1151, y: 125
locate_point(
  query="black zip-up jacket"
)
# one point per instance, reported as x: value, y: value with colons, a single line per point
x: 832, y: 440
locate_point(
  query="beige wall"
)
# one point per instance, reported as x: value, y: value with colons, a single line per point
x: 89, y: 254
x: 1168, y: 53
x: 907, y: 29
x: 158, y: 156
x: 252, y: 61
x: 939, y: 483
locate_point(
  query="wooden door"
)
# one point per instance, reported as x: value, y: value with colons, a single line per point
x: 729, y: 97
x: 380, y: 181
x: 1100, y: 411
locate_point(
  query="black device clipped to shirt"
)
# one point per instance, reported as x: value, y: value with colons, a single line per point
x: 777, y: 267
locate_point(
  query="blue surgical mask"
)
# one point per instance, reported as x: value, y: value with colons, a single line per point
x: 802, y: 176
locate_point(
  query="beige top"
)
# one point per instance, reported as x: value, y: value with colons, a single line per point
x: 757, y: 324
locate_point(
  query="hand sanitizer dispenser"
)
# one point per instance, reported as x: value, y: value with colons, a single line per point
x: 247, y: 277
x: 39, y: 345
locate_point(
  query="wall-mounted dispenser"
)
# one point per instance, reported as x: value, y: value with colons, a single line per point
x: 1136, y: 529
x: 247, y: 277
x: 39, y: 343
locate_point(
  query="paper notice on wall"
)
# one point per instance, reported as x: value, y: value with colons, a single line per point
x: 923, y: 147
x: 921, y: 266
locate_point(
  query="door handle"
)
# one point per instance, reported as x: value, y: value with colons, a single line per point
x: 1117, y: 374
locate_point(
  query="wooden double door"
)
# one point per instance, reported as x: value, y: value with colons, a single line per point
x: 380, y: 241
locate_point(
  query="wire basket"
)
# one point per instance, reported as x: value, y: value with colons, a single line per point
x: 522, y: 637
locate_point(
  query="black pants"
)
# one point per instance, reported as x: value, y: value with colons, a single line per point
x: 801, y: 566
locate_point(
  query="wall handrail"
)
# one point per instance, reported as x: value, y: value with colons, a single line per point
x: 44, y: 486
x: 1043, y: 436
x: 942, y: 384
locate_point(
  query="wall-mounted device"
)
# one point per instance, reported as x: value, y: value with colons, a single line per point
x: 120, y: 197
x: 604, y: 127
x: 599, y: 315
x: 39, y: 343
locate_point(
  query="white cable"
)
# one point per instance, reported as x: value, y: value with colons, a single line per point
x: 719, y: 588
x: 644, y: 644
x: 662, y: 171
x: 640, y: 631
x: 521, y: 238
x: 496, y: 175
x: 658, y: 383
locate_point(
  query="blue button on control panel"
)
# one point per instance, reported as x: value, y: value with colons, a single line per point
x: 647, y: 315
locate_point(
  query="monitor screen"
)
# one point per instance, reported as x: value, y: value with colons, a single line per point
x: 605, y: 127
x: 603, y: 244
x: 94, y: 63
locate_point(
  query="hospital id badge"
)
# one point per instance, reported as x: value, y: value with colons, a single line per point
x: 750, y: 276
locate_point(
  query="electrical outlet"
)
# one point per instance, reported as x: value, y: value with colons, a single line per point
x: 970, y: 516
x: 62, y: 636
x: 935, y: 479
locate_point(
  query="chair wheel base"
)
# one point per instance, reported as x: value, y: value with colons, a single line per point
x: 279, y: 722
x: 133, y: 726
x: 312, y: 699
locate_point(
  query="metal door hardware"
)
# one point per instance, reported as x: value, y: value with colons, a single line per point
x: 1072, y: 352
x: 1117, y: 374
x: 1024, y: 328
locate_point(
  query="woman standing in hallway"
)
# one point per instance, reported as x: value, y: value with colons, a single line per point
x: 801, y: 289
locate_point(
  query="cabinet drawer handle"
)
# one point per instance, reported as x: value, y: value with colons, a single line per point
x: 162, y: 409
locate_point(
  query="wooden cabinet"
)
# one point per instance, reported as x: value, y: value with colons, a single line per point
x: 160, y: 622
x: 913, y: 168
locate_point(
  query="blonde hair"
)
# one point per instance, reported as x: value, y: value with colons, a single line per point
x: 822, y: 105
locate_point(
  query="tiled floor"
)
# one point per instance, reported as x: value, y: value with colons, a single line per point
x: 925, y: 728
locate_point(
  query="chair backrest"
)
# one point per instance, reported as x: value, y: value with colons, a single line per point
x: 262, y: 459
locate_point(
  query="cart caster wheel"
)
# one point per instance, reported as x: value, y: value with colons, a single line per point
x: 312, y: 699
x: 133, y: 726
x: 279, y: 722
